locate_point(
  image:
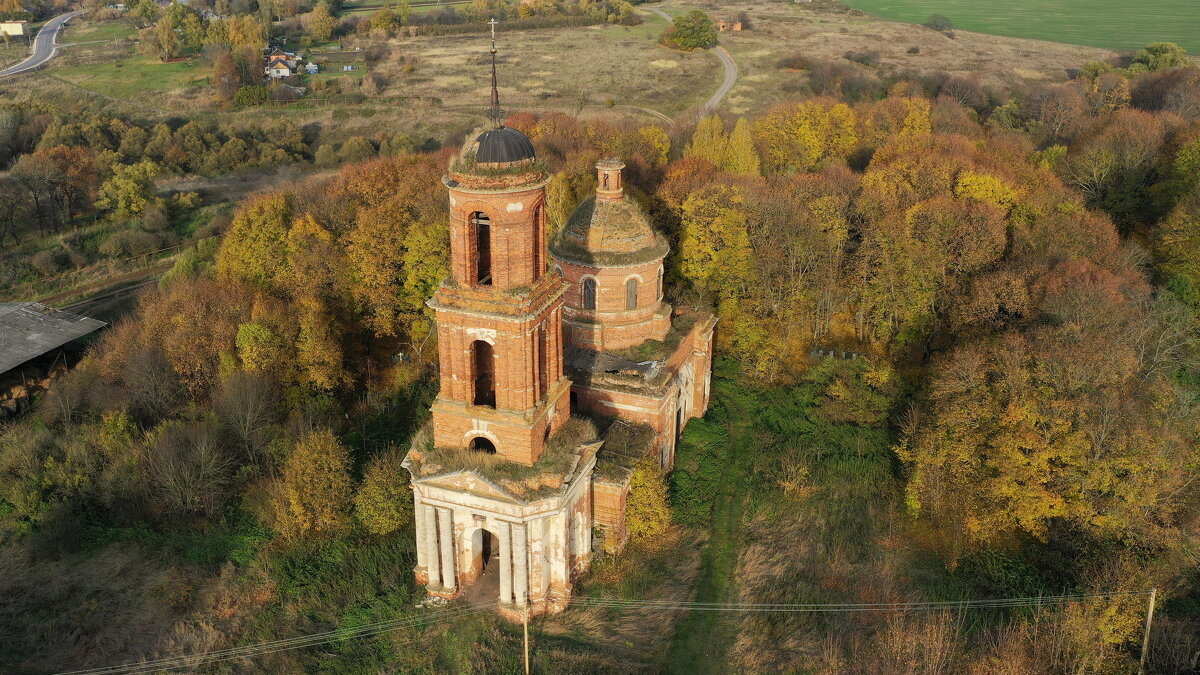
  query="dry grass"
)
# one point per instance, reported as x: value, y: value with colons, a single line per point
x: 663, y: 569
x: 785, y: 28
x: 111, y: 607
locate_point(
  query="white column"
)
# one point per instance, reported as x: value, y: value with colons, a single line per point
x: 520, y: 564
x: 419, y: 518
x: 506, y: 564
x: 429, y: 515
x: 446, y: 539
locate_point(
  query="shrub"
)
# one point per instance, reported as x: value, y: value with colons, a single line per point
x: 383, y: 503
x: 314, y: 497
x: 914, y: 50
x: 130, y: 243
x: 251, y: 95
x: 357, y: 149
x: 1162, y: 55
x: 939, y: 23
x: 694, y: 30
x: 190, y: 468
x: 867, y: 58
x: 794, y: 62
x: 647, y: 512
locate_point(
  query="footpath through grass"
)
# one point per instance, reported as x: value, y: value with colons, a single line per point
x: 1096, y: 23
x: 702, y: 639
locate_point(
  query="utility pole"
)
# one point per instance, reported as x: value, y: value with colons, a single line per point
x: 526, y: 622
x: 1146, y: 635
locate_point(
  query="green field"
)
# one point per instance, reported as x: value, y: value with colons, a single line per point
x: 1096, y: 23
x: 128, y: 78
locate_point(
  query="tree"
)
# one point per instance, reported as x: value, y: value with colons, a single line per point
x: 647, y: 512
x: 319, y: 23
x: 1162, y: 56
x: 357, y: 149
x: 255, y: 248
x: 694, y: 30
x: 383, y: 503
x: 325, y: 156
x: 314, y: 497
x: 709, y: 141
x: 167, y: 41
x: 740, y: 156
x: 714, y: 249
x: 130, y: 189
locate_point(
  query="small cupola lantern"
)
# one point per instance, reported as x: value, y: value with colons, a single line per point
x: 608, y: 179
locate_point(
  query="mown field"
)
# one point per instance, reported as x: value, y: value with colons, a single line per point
x: 1098, y: 23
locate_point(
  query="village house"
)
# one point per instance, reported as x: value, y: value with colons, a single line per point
x: 513, y: 487
x: 281, y: 64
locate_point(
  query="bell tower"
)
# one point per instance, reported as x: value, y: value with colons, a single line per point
x: 499, y: 315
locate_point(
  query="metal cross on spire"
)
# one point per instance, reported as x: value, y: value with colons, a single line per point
x: 494, y: 113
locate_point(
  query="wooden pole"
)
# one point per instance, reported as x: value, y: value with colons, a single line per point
x: 1146, y: 634
x: 526, y: 622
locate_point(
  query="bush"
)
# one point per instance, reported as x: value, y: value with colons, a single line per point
x: 914, y: 50
x: 383, y: 503
x: 251, y: 95
x: 357, y: 149
x: 694, y: 30
x: 647, y: 513
x: 868, y: 58
x: 939, y: 23
x: 314, y: 497
x: 794, y: 62
x: 130, y: 243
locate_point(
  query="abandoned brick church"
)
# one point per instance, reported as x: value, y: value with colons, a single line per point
x: 511, y: 482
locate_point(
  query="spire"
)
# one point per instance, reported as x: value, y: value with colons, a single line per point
x: 494, y: 113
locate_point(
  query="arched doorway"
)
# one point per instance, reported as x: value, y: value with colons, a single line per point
x: 483, y: 366
x: 482, y: 444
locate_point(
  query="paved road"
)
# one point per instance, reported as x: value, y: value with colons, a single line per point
x: 44, y: 45
x: 731, y: 72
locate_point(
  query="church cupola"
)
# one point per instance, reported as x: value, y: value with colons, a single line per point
x: 608, y: 179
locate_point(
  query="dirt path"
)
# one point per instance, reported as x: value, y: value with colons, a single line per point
x: 727, y: 63
x: 702, y: 639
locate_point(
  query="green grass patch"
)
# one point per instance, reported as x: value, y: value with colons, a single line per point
x: 90, y: 32
x: 130, y: 77
x: 1096, y: 23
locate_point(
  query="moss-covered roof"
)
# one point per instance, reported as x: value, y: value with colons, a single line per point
x: 609, y: 232
x: 547, y: 474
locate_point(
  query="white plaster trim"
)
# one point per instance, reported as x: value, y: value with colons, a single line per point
x: 487, y: 335
x: 514, y: 207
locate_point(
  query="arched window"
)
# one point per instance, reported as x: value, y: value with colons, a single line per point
x: 543, y: 363
x: 482, y: 227
x: 483, y: 367
x: 589, y: 294
x: 658, y: 291
x: 539, y: 243
x: 631, y: 294
x: 481, y: 444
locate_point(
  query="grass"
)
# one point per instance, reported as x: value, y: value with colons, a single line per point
x: 87, y: 31
x: 1097, y: 23
x: 135, y: 76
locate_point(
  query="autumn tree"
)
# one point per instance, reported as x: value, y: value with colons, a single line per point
x: 255, y: 247
x: 694, y: 30
x: 709, y: 141
x: 314, y: 496
x: 130, y: 189
x: 383, y: 503
x: 715, y: 253
x: 647, y: 512
x: 320, y: 22
x: 740, y: 157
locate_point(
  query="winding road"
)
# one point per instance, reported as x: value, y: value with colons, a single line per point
x: 727, y: 62
x: 44, y: 45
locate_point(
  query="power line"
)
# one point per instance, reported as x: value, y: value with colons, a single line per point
x: 993, y: 603
x: 263, y: 648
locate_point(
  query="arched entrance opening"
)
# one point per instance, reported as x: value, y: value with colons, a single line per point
x: 481, y: 444
x: 483, y: 366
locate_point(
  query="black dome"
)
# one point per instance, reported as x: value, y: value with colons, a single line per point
x: 503, y: 145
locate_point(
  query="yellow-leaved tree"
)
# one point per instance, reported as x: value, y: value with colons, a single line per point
x: 383, y: 503
x: 314, y: 496
x: 647, y: 511
x: 740, y: 156
x: 715, y: 253
x: 255, y: 248
x: 708, y: 141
